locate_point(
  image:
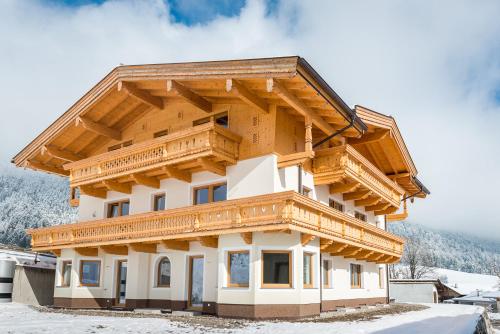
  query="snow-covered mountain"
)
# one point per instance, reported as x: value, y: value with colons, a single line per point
x: 454, y: 250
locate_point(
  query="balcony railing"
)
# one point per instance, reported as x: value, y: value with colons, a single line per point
x: 278, y: 211
x: 335, y: 164
x: 204, y: 141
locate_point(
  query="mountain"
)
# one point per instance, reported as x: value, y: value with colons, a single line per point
x: 453, y: 250
x: 29, y: 199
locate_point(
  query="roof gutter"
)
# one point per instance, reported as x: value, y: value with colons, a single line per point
x: 423, y: 190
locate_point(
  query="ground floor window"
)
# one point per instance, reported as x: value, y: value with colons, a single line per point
x: 238, y: 268
x: 327, y: 275
x: 90, y: 271
x: 355, y: 276
x: 276, y: 269
x: 66, y: 273
x: 164, y: 268
x: 159, y: 202
x: 307, y: 265
x: 381, y: 277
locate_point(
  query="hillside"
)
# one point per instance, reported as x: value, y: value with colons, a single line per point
x: 453, y: 250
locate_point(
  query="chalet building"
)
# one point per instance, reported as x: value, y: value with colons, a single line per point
x: 243, y: 188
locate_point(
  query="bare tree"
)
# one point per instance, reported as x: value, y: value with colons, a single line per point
x: 417, y: 261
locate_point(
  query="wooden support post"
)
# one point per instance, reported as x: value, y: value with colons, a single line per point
x: 144, y: 248
x: 176, y: 173
x: 306, y: 238
x: 309, y: 138
x: 247, y: 237
x: 212, y: 166
x: 180, y: 245
x: 115, y: 249
x: 119, y: 187
x: 91, y: 191
x: 87, y: 251
x: 151, y: 182
x: 212, y: 242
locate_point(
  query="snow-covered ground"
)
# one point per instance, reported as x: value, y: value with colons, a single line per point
x: 466, y: 282
x: 439, y: 318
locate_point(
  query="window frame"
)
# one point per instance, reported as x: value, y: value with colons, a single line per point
x: 65, y: 263
x: 212, y: 118
x: 306, y: 191
x: 327, y: 284
x: 158, y: 273
x: 80, y: 278
x: 237, y: 285
x: 288, y: 285
x: 335, y: 202
x: 358, y: 273
x: 120, y: 204
x: 381, y: 272
x: 157, y: 195
x: 363, y: 216
x: 210, y: 188
x: 311, y: 272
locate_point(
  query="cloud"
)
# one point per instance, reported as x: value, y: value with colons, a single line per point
x: 434, y: 65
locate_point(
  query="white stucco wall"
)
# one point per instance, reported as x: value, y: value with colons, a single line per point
x: 412, y: 292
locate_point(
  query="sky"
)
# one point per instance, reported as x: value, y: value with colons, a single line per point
x: 433, y: 65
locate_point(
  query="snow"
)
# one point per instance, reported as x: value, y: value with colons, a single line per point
x: 468, y: 282
x: 438, y: 318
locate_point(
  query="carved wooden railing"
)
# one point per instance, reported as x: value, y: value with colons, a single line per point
x: 285, y: 209
x: 333, y: 164
x: 206, y: 140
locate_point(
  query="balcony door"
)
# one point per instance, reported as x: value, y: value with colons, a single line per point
x: 195, y: 295
x: 121, y: 282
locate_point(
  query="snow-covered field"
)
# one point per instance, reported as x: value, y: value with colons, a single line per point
x: 467, y: 282
x: 439, y: 318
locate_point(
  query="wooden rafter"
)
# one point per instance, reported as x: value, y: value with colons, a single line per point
x: 365, y: 254
x: 349, y: 252
x: 376, y: 207
x: 99, y: 129
x: 212, y: 242
x: 180, y: 245
x: 306, y: 238
x: 87, y: 251
x: 325, y: 243
x: 58, y: 153
x: 247, y: 237
x: 147, y: 181
x: 366, y: 201
x: 213, y: 167
x: 369, y: 138
x: 46, y: 168
x: 343, y: 188
x: 375, y: 257
x: 190, y: 96
x: 275, y: 86
x: 119, y: 187
x: 115, y: 249
x: 336, y: 247
x: 140, y: 94
x: 244, y: 94
x: 387, y: 211
x: 357, y: 195
x: 90, y: 191
x: 144, y: 248
x: 56, y: 252
x: 172, y: 172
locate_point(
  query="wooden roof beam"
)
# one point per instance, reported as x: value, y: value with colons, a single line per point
x: 306, y: 238
x: 387, y: 211
x: 275, y: 86
x: 377, y: 207
x: 172, y: 172
x: 58, y: 153
x: 366, y: 201
x: 144, y: 248
x: 176, y: 245
x: 335, y: 248
x: 343, y: 188
x: 212, y: 242
x: 369, y: 138
x: 46, y: 168
x: 87, y: 251
x: 90, y: 191
x: 357, y: 195
x: 147, y: 181
x: 141, y: 95
x: 119, y: 187
x: 190, y: 96
x: 247, y: 237
x: 325, y: 243
x: 212, y: 166
x: 244, y: 94
x: 99, y: 129
x: 115, y: 249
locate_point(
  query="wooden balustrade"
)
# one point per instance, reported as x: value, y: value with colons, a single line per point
x: 204, y: 141
x: 285, y: 210
x: 344, y: 162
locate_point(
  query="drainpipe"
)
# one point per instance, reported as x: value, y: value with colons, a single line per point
x: 387, y: 270
x: 299, y: 170
x: 320, y: 281
x: 336, y: 133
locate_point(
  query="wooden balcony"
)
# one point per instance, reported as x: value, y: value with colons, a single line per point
x: 351, y: 174
x: 339, y: 233
x: 204, y: 147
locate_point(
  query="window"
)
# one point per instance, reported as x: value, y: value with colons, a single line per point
x: 276, y: 269
x: 306, y: 191
x: 210, y: 193
x: 117, y: 209
x: 360, y: 216
x: 163, y: 279
x: 381, y: 278
x: 336, y: 205
x: 238, y: 268
x: 160, y: 133
x: 220, y: 119
x: 355, y: 276
x: 90, y: 272
x: 159, y: 202
x: 120, y: 145
x: 66, y: 273
x: 307, y: 265
x: 327, y: 267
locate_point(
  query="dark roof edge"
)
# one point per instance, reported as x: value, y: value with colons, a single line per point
x: 350, y: 113
x: 421, y: 186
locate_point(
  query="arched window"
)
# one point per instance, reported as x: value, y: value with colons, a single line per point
x: 163, y: 278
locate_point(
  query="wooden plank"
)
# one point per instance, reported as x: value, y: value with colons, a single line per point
x: 336, y: 247
x: 357, y: 195
x: 366, y: 201
x: 369, y: 138
x: 376, y: 207
x: 190, y: 96
x: 212, y: 166
x: 87, y: 251
x: 91, y: 191
x: 58, y: 153
x: 343, y: 188
x: 46, y: 168
x: 180, y: 245
x: 275, y: 86
x: 387, y: 211
x: 115, y: 250
x: 99, y: 129
x: 140, y: 94
x: 306, y: 238
x: 244, y: 94
x: 325, y: 243
x: 144, y: 248
x: 176, y: 173
x: 247, y: 237
x: 147, y: 181
x: 119, y: 187
x: 212, y: 242
x: 56, y: 252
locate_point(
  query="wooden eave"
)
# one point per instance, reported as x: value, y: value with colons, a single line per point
x: 129, y: 92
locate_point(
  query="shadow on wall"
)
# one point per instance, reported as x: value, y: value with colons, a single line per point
x: 33, y: 286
